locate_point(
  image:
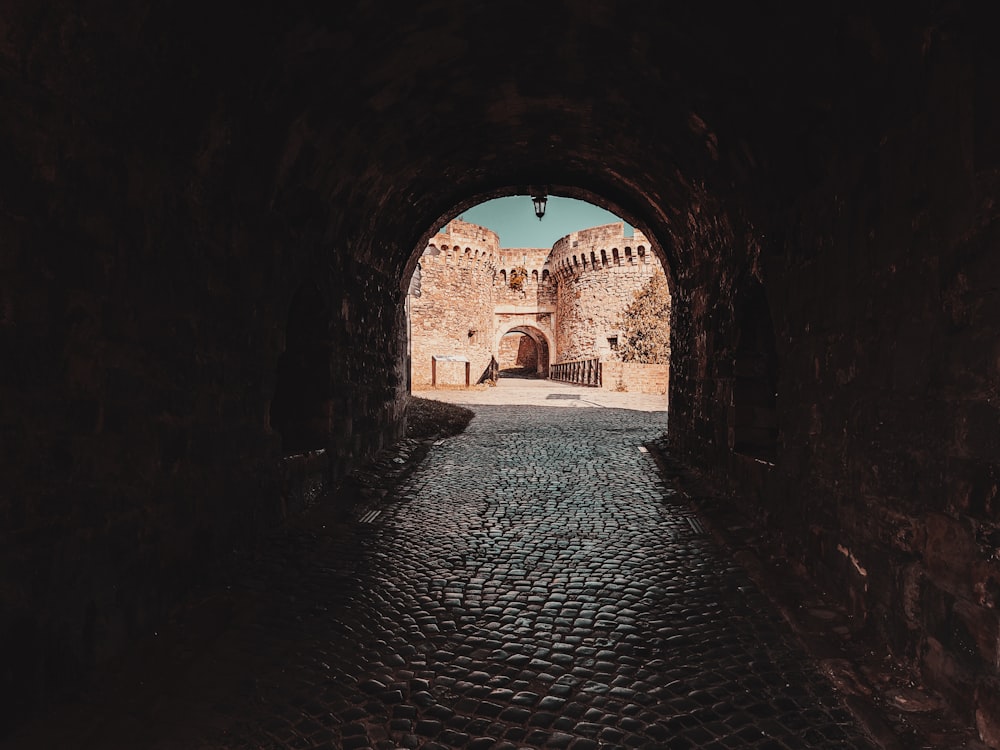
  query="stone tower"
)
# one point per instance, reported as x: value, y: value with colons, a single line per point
x: 567, y: 300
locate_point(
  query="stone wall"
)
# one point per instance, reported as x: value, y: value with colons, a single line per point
x: 635, y: 377
x: 145, y: 295
x: 598, y: 272
x: 539, y: 287
x: 454, y: 314
x: 884, y: 477
x: 914, y: 365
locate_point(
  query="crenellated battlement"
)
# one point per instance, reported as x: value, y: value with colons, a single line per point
x: 534, y: 260
x: 462, y: 243
x: 601, y: 248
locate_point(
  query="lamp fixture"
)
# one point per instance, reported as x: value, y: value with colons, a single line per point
x: 539, y: 199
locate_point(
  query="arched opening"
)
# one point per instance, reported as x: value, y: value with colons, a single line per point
x: 523, y: 351
x: 141, y: 364
x: 455, y: 325
x: 301, y: 410
x: 579, y: 311
x: 755, y: 377
x: 517, y: 355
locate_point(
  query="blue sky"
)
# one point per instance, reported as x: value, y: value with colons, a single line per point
x: 514, y: 219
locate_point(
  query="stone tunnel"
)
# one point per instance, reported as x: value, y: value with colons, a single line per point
x: 209, y: 218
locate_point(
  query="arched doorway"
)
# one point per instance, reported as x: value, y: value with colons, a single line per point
x: 517, y: 355
x: 523, y: 351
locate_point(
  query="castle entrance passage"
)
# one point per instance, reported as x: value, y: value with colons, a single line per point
x: 523, y: 351
x: 518, y: 355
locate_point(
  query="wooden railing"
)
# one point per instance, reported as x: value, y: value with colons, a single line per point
x: 581, y: 372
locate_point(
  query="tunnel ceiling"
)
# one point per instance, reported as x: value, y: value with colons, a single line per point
x: 414, y: 111
x: 630, y: 104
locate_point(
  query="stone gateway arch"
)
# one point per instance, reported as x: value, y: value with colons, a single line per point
x: 524, y: 348
x: 208, y: 223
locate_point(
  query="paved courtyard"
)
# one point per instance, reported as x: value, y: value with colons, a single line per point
x: 532, y: 584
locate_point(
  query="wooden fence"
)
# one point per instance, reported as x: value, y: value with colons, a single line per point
x: 581, y: 372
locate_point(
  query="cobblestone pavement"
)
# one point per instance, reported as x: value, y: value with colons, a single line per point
x: 531, y: 584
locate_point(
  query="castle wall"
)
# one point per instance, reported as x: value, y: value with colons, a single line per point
x: 574, y: 294
x: 636, y: 377
x: 454, y: 314
x: 598, y: 271
x: 539, y: 286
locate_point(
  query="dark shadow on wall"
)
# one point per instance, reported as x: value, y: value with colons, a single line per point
x: 755, y: 377
x: 302, y: 407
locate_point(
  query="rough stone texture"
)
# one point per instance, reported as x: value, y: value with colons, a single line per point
x: 518, y: 352
x: 539, y: 288
x: 598, y: 271
x: 170, y: 185
x: 453, y: 316
x: 635, y: 376
x: 885, y: 398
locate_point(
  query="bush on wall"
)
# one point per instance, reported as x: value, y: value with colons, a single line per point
x: 645, y: 324
x: 517, y: 278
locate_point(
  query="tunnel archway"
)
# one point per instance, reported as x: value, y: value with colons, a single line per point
x: 537, y: 353
x: 517, y: 355
x: 154, y: 271
x: 636, y: 209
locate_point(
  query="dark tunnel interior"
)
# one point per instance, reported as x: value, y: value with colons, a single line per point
x: 209, y: 218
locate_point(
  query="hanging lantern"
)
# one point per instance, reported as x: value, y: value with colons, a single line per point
x: 539, y: 199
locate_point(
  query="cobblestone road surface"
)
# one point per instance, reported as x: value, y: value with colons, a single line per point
x: 533, y: 584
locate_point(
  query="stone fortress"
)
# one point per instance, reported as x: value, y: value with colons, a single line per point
x: 471, y: 311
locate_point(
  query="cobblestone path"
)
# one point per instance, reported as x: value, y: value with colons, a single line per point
x: 532, y: 585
